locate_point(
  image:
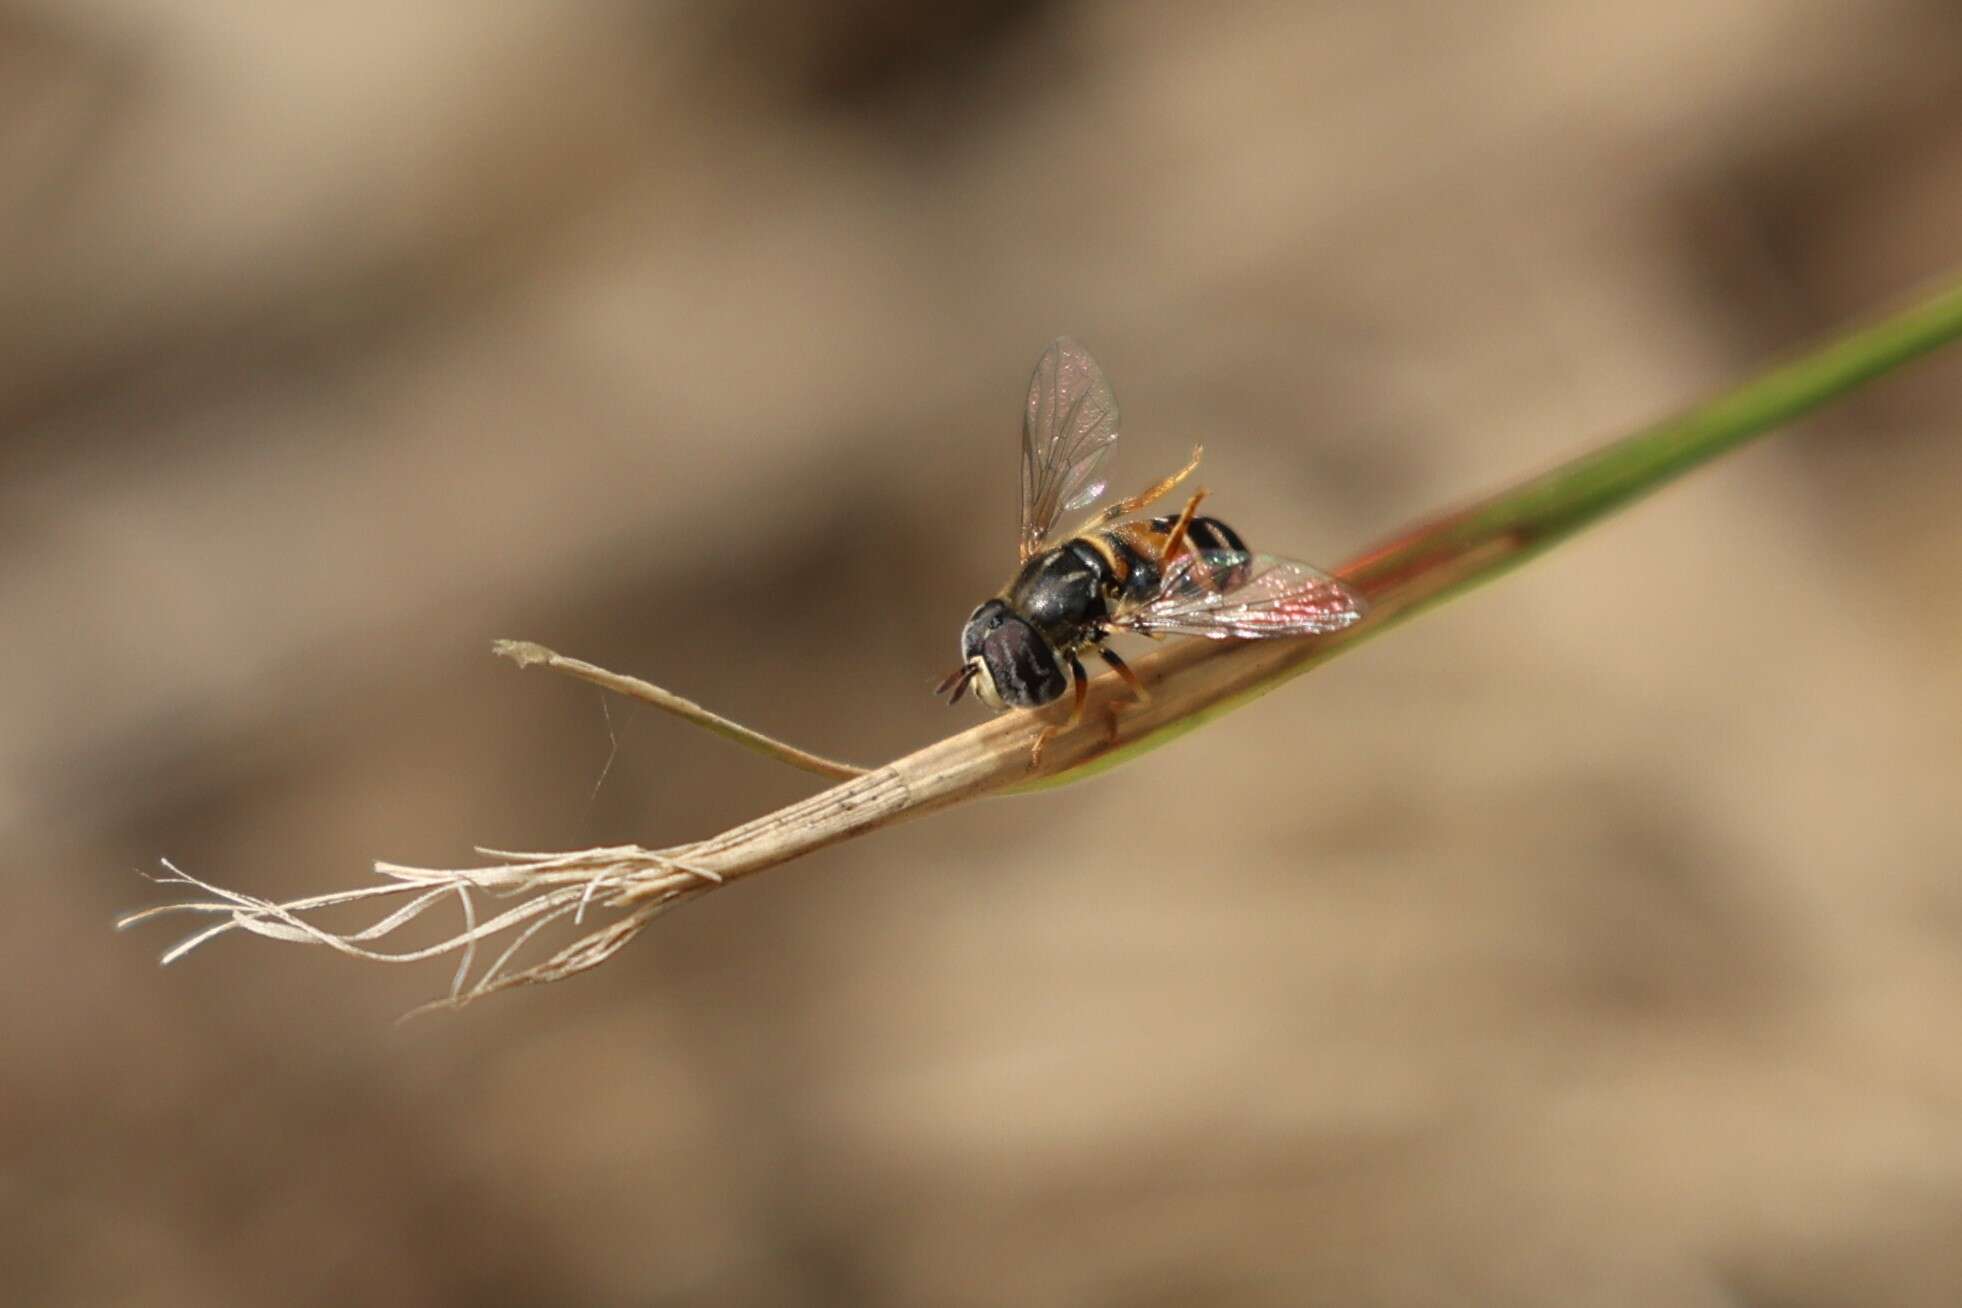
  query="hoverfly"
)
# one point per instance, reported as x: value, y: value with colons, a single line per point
x: 1179, y: 574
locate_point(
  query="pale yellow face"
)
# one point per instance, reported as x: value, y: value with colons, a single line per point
x: 984, y: 684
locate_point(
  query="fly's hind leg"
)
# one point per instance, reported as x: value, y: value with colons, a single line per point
x: 1175, y: 538
x: 1150, y: 495
x: 1082, y: 692
x: 1139, y: 695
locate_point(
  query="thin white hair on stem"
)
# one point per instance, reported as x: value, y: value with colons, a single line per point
x: 470, y: 934
x: 588, y: 951
x: 548, y: 888
x: 612, y: 754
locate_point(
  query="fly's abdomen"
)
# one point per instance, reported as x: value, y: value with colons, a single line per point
x: 1134, y: 552
x: 1210, y: 536
x: 1134, y: 574
x: 1205, y: 533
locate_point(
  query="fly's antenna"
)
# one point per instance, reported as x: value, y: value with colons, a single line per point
x: 956, y: 681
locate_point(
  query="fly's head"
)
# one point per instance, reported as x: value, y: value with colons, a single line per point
x: 1007, y: 661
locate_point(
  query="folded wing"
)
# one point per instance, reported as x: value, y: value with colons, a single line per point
x: 1222, y: 594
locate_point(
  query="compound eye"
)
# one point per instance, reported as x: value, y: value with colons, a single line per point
x: 1024, y: 673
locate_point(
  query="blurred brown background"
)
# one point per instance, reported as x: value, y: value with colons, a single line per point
x: 1595, y: 941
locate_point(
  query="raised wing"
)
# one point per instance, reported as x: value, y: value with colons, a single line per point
x: 1227, y: 593
x: 1067, y: 432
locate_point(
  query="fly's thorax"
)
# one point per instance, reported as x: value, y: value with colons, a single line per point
x: 1063, y: 592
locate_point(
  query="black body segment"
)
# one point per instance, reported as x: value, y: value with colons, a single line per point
x: 1060, y: 593
x: 1139, y: 572
x: 1206, y: 533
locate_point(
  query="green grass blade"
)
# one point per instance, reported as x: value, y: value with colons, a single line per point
x: 1450, y: 554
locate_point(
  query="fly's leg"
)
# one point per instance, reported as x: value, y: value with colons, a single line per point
x: 1150, y: 495
x: 1076, y: 712
x: 1139, y: 695
x: 1175, y: 538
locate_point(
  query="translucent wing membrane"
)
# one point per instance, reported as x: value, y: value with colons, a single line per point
x: 1067, y: 433
x: 1228, y: 593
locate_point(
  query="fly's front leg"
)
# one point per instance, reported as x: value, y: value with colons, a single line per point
x: 1082, y: 692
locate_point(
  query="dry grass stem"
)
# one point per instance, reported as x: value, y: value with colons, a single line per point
x: 528, y: 654
x: 630, y: 886
x: 1190, y: 682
